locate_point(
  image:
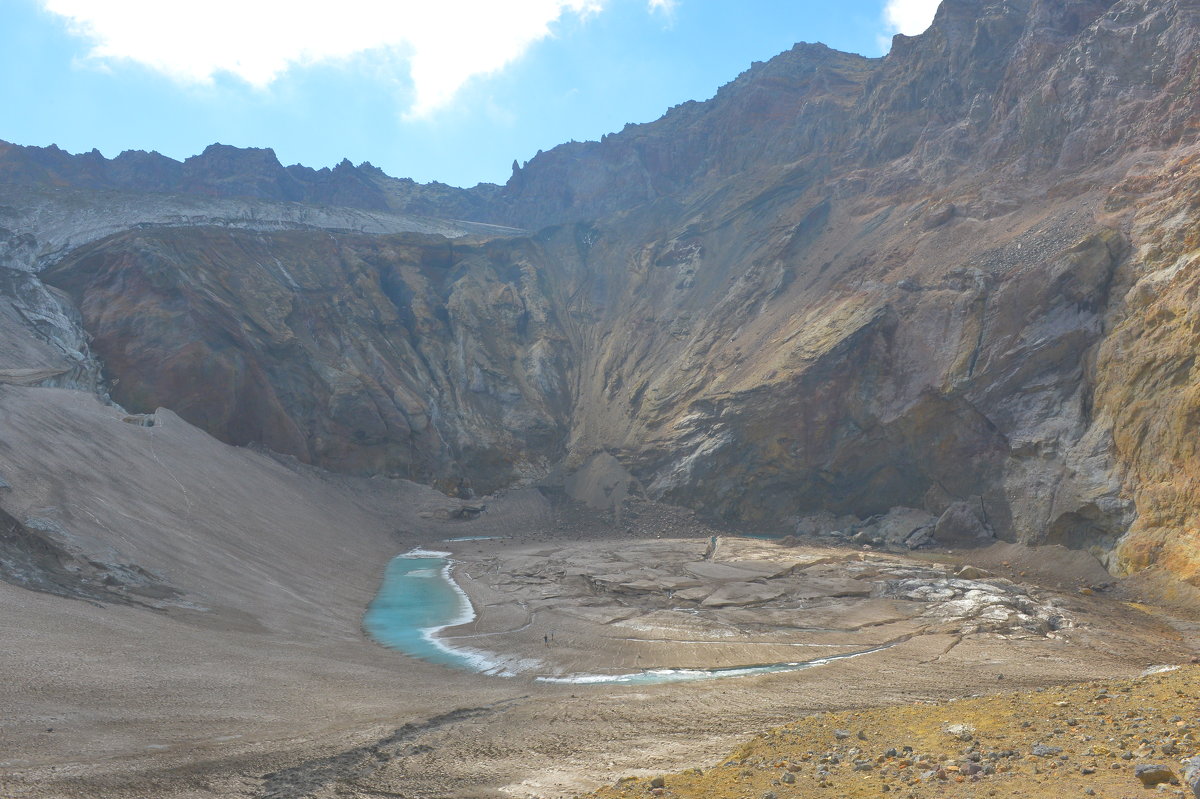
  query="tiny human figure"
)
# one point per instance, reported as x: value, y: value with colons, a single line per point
x: 546, y: 638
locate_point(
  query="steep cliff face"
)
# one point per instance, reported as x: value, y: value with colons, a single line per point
x: 956, y: 277
x: 1149, y: 393
x: 408, y: 356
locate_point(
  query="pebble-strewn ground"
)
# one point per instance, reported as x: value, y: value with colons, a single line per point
x: 1084, y: 740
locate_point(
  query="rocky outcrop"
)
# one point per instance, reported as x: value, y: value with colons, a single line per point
x: 1147, y: 364
x: 39, y: 554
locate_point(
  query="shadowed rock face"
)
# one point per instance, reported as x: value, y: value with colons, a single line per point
x: 953, y: 275
x: 405, y: 356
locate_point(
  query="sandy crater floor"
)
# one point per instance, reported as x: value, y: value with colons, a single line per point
x: 616, y: 608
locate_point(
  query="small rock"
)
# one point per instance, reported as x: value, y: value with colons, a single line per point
x: 1041, y: 750
x: 841, y: 735
x: 963, y: 732
x: 1152, y: 774
x: 658, y: 782
x: 971, y: 573
x: 787, y: 778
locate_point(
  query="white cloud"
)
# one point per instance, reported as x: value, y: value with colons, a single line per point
x: 909, y: 17
x: 445, y: 43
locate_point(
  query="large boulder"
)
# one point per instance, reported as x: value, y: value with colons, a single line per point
x: 964, y: 523
x: 899, y: 527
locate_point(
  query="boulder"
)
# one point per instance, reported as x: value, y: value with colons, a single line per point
x: 825, y: 523
x: 939, y: 215
x: 1152, y: 774
x: 897, y: 527
x: 919, y: 538
x: 963, y: 524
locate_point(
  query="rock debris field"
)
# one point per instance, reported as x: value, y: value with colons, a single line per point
x: 1109, y: 738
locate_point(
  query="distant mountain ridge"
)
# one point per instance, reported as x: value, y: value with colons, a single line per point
x: 227, y: 172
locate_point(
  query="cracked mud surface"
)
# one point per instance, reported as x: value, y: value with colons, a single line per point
x: 615, y: 608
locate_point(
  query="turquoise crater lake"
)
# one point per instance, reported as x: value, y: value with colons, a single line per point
x: 418, y: 599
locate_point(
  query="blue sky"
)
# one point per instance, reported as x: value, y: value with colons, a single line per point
x: 450, y: 90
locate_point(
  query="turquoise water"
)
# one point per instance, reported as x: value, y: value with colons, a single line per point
x: 418, y: 599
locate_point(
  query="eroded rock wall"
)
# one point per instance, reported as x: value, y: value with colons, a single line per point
x: 407, y: 356
x: 1149, y: 394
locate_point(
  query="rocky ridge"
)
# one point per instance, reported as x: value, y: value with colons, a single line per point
x: 225, y: 172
